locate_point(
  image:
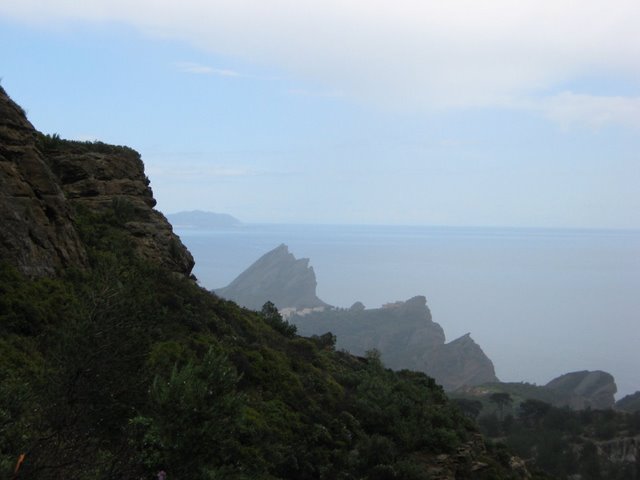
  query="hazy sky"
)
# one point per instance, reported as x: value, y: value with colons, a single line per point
x: 350, y: 111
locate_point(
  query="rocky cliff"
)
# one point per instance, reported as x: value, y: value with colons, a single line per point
x: 459, y: 363
x: 44, y: 180
x: 586, y: 389
x: 277, y: 277
x: 407, y: 337
x: 37, y: 233
x: 629, y: 403
x: 403, y: 332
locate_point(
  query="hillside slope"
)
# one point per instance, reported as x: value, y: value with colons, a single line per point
x: 115, y: 364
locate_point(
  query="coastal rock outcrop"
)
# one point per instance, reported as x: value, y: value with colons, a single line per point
x: 629, y: 403
x: 460, y: 362
x: 586, y: 389
x: 277, y: 277
x: 37, y: 234
x: 403, y: 332
x: 44, y: 180
x: 407, y: 338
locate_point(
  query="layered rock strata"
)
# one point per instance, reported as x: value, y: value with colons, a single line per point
x: 44, y: 180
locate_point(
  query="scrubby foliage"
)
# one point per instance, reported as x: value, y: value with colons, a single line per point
x: 124, y: 369
x: 50, y: 143
x: 588, y: 444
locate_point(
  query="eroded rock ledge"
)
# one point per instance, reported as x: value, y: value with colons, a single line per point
x: 43, y: 180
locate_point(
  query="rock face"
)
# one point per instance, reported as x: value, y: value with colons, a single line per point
x: 461, y: 362
x: 586, y: 389
x: 43, y: 180
x: 630, y: 403
x: 277, y: 277
x: 37, y: 234
x: 407, y: 337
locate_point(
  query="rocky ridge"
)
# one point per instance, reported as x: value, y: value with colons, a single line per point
x: 403, y: 331
x: 277, y: 277
x: 48, y: 186
x: 407, y: 338
x: 44, y: 180
x: 585, y: 389
x: 629, y: 403
x: 37, y: 233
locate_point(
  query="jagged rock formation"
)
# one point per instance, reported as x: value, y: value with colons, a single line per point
x: 305, y: 401
x: 622, y: 453
x: 586, y: 389
x: 44, y: 179
x: 403, y: 332
x: 277, y: 277
x: 629, y: 403
x: 407, y: 337
x: 461, y: 362
x: 37, y: 233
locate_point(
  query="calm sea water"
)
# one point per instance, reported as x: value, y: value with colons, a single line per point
x: 540, y: 302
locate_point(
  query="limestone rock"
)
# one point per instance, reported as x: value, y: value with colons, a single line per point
x: 407, y: 337
x: 277, y: 277
x: 586, y: 389
x: 629, y: 403
x: 37, y: 234
x: 43, y: 180
x: 460, y: 362
x: 105, y: 177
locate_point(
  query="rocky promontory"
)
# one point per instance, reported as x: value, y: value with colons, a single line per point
x: 403, y: 332
x: 586, y: 389
x: 407, y: 338
x: 277, y: 277
x: 45, y: 181
x: 37, y: 234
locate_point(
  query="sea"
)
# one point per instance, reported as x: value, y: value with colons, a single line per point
x: 540, y: 302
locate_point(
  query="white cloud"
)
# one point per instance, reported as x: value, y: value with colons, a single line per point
x: 402, y: 54
x: 199, y: 69
x: 570, y: 109
x: 302, y: 92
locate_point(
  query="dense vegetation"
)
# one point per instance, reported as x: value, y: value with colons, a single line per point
x: 124, y: 369
x: 594, y: 444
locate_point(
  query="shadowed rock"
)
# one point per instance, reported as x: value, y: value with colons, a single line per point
x: 277, y: 277
x: 43, y: 180
x: 586, y: 389
x: 407, y: 338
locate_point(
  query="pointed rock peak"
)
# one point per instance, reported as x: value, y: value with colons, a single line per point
x: 278, y: 277
x: 464, y: 339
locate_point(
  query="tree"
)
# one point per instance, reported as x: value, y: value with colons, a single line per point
x: 501, y: 399
x: 192, y: 427
x: 533, y: 411
x: 470, y: 408
x: 272, y: 316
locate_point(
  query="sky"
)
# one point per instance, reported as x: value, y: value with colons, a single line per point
x: 466, y: 113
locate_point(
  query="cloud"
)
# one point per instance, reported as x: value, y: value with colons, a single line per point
x: 406, y: 54
x: 579, y: 110
x: 570, y: 109
x: 199, y: 69
x: 302, y: 92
